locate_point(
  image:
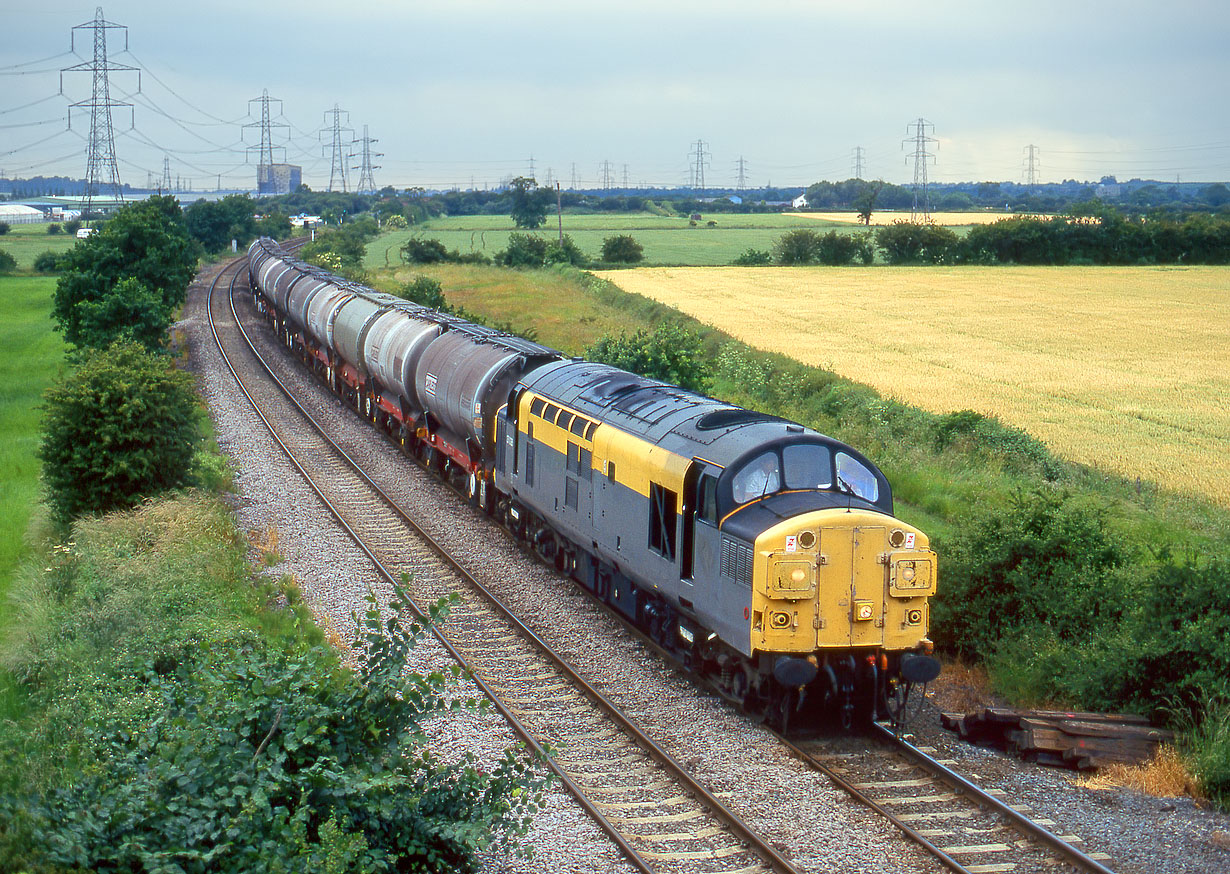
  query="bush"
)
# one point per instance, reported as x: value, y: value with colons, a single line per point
x: 55, y: 228
x: 49, y: 261
x: 565, y: 253
x: 524, y: 250
x: 423, y: 251
x: 396, y: 223
x: 797, y: 247
x: 754, y: 258
x: 424, y: 291
x: 622, y: 249
x: 7, y: 262
x: 120, y: 427
x: 72, y: 226
x: 913, y: 243
x: 4, y: 228
x: 671, y: 354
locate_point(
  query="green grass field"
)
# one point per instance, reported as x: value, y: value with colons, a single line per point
x: 32, y: 356
x: 27, y: 242
x: 668, y: 241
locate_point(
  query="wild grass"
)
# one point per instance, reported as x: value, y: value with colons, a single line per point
x: 32, y: 356
x: 27, y: 242
x: 1122, y: 369
x: 1166, y: 775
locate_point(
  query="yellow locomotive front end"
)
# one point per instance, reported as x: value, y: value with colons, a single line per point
x: 840, y: 599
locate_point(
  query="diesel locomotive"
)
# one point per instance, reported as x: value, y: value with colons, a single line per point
x: 763, y: 554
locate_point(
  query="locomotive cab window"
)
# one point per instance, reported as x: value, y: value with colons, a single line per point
x: 662, y: 504
x: 854, y: 478
x: 760, y: 476
x: 807, y: 467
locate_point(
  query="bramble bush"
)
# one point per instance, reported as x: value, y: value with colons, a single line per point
x: 165, y: 736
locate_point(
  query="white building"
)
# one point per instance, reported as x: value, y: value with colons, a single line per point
x: 20, y: 214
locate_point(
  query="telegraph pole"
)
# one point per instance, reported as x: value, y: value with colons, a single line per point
x: 920, y: 156
x: 367, y: 183
x: 101, y: 167
x: 337, y: 171
x: 858, y: 162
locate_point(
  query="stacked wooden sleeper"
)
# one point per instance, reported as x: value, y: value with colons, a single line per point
x: 1062, y: 738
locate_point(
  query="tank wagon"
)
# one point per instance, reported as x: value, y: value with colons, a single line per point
x: 762, y: 553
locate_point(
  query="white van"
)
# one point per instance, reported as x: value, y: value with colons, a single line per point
x: 82, y: 233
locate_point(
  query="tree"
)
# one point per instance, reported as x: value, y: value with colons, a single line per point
x: 131, y: 309
x: 622, y: 249
x: 120, y: 427
x: 146, y: 241
x: 866, y: 201
x: 7, y: 262
x: 418, y: 250
x: 215, y: 224
x: 529, y: 203
x: 4, y: 228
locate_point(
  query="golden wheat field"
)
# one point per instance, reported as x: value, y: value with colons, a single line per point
x: 887, y: 217
x: 1126, y: 369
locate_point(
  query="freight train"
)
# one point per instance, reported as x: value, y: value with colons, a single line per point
x: 763, y: 554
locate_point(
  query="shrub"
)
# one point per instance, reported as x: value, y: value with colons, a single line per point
x: 55, y: 228
x: 754, y: 258
x: 524, y: 250
x: 48, y: 262
x: 565, y: 253
x: 424, y: 291
x: 396, y: 223
x: 418, y: 250
x: 4, y: 228
x: 913, y: 243
x: 7, y: 262
x: 72, y: 226
x: 120, y: 427
x: 797, y: 247
x: 671, y: 354
x: 622, y: 249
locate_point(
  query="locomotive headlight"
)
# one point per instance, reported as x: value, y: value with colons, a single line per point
x: 907, y: 571
x: 798, y: 575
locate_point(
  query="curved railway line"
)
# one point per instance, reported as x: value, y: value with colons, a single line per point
x: 660, y: 815
x: 649, y: 804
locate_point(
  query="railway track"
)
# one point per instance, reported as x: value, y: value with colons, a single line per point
x: 966, y: 828
x: 652, y: 807
x: 660, y: 817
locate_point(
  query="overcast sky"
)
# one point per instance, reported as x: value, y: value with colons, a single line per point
x: 469, y: 91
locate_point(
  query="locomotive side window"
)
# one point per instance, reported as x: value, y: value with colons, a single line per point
x: 537, y: 406
x: 564, y: 420
x: 707, y: 508
x: 578, y: 426
x: 550, y: 412
x: 662, y: 504
x: 807, y: 467
x: 854, y: 478
x: 589, y: 431
x: 760, y: 476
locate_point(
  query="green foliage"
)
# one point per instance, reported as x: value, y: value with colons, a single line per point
x: 131, y: 310
x: 215, y: 223
x: 55, y: 228
x: 419, y: 250
x: 754, y: 258
x: 566, y: 252
x: 120, y: 427
x: 425, y: 291
x: 797, y: 247
x: 671, y: 354
x: 912, y: 243
x: 396, y: 223
x: 163, y: 734
x: 1208, y: 753
x: 1043, y: 562
x: 4, y: 228
x: 529, y: 203
x: 146, y: 241
x: 49, y: 261
x: 622, y: 249
x: 7, y: 262
x: 524, y: 250
x: 72, y: 226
